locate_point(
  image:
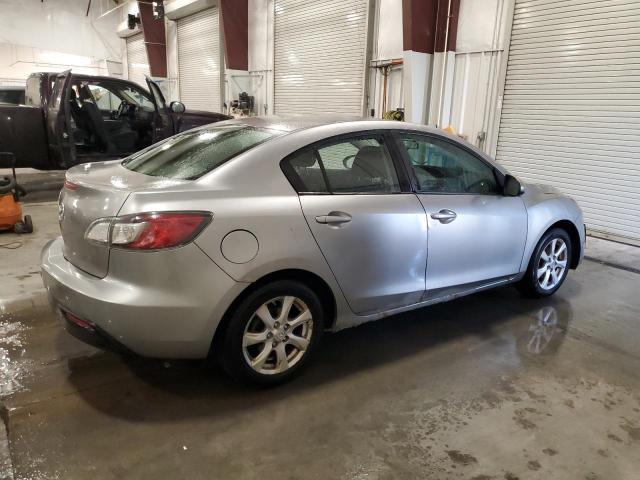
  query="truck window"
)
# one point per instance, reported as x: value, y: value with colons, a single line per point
x: 105, y: 99
x: 32, y: 92
x: 137, y: 98
x: 56, y: 94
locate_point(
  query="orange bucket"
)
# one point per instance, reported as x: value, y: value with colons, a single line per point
x: 10, y: 212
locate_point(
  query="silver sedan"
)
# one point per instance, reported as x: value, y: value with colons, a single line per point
x: 249, y: 238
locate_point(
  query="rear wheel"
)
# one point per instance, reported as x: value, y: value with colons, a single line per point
x: 272, y: 334
x: 548, y: 266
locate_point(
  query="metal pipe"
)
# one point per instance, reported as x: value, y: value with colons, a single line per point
x: 385, y: 69
x: 444, y: 65
x: 486, y: 115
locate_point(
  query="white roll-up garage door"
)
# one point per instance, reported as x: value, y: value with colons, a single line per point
x: 570, y: 114
x: 199, y: 60
x: 320, y: 54
x: 137, y: 61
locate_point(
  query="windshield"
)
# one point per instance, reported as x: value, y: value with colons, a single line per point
x: 191, y: 154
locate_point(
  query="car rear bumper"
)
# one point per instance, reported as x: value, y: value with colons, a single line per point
x: 168, y: 307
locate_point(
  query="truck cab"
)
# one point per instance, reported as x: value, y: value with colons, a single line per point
x: 69, y: 119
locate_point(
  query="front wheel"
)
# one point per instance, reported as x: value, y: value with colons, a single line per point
x: 548, y: 266
x: 272, y: 334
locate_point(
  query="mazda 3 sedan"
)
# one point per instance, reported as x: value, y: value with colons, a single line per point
x: 248, y: 239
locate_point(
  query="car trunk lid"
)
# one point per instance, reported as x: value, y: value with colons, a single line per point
x: 91, y: 192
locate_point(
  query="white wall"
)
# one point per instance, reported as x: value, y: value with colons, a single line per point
x: 482, y: 36
x: 261, y: 44
x: 55, y: 35
x: 387, y: 45
x: 471, y: 78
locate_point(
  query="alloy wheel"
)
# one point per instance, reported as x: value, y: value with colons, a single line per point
x: 277, y: 335
x: 552, y: 264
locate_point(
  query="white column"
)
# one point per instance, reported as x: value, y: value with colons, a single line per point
x: 441, y: 89
x: 416, y: 74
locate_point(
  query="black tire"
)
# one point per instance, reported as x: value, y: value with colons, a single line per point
x: 231, y: 352
x: 28, y: 224
x: 529, y: 285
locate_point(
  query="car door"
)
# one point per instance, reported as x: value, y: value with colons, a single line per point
x: 162, y: 124
x: 369, y: 226
x: 476, y: 234
x: 62, y: 151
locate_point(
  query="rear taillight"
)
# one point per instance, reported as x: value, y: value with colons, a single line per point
x: 148, y: 231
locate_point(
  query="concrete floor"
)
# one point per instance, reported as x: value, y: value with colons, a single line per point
x: 480, y: 388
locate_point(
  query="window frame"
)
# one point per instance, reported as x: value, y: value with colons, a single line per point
x: 385, y: 139
x: 398, y: 136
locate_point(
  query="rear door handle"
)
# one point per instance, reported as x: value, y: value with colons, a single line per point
x: 444, y: 216
x: 334, y: 218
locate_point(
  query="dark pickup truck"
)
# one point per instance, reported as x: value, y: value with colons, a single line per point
x: 69, y: 119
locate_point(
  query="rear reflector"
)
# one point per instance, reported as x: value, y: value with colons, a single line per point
x: 78, y: 321
x: 70, y: 186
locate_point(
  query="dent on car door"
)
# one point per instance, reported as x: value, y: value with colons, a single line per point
x: 476, y: 234
x: 372, y: 235
x: 61, y: 146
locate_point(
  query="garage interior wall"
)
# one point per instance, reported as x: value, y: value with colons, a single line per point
x: 387, y: 48
x: 482, y: 30
x: 570, y: 107
x: 56, y: 36
x: 320, y: 56
x: 137, y: 62
x: 200, y: 60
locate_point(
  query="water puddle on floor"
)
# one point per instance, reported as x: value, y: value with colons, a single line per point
x: 14, y: 364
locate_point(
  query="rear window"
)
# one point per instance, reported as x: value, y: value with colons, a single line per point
x: 15, y: 97
x: 191, y: 154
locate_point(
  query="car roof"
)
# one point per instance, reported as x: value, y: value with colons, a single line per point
x: 296, y: 122
x: 290, y: 123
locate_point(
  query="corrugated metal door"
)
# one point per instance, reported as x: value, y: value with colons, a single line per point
x: 570, y: 108
x: 137, y: 62
x: 199, y: 60
x: 320, y: 54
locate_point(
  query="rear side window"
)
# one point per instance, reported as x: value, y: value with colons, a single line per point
x: 191, y: 154
x: 353, y: 165
x: 12, y: 96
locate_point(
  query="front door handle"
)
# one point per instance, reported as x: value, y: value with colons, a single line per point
x: 334, y: 218
x: 444, y: 216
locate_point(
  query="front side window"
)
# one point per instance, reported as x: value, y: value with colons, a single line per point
x: 105, y: 99
x: 354, y: 165
x: 191, y: 154
x: 441, y: 167
x: 137, y: 98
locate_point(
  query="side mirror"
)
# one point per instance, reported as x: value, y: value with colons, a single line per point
x: 512, y: 187
x: 177, y: 107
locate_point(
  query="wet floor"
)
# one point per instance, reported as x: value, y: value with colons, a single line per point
x: 487, y: 387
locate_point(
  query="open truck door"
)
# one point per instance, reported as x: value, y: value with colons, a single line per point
x: 62, y: 152
x: 162, y: 122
